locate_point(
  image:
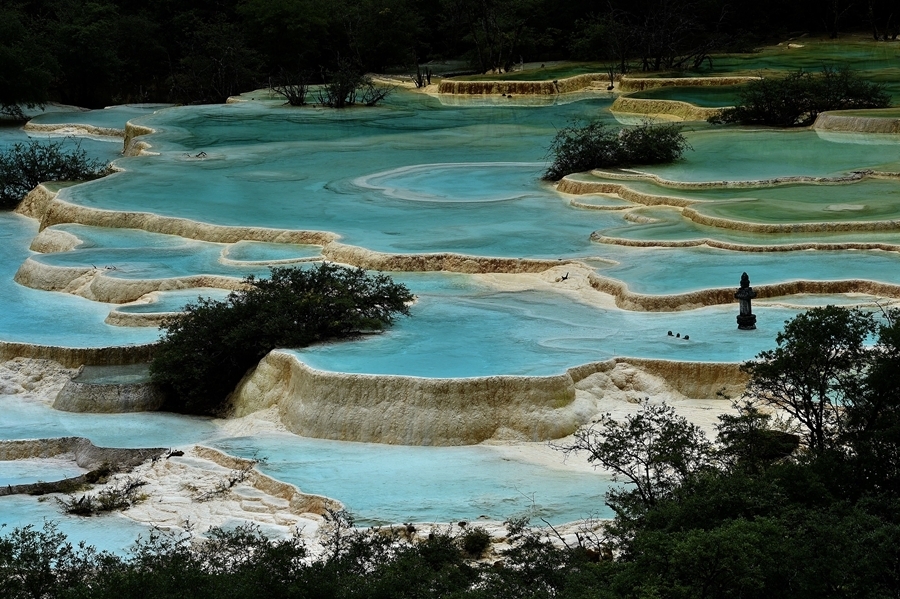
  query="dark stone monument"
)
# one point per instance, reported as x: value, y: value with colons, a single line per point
x: 746, y: 319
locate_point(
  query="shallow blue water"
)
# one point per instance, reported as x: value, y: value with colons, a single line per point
x: 102, y: 149
x: 113, y: 117
x: 377, y: 483
x: 461, y: 329
x: 383, y: 484
x: 658, y: 271
x: 112, y: 532
x: 20, y: 472
x: 50, y: 318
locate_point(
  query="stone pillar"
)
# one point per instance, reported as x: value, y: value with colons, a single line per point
x: 746, y: 319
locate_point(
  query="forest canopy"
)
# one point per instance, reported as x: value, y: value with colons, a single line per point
x: 101, y: 52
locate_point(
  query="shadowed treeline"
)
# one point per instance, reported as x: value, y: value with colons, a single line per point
x: 102, y: 52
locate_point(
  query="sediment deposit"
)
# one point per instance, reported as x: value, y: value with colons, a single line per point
x: 59, y: 211
x: 34, y: 204
x: 83, y: 452
x: 97, y: 285
x: 628, y: 300
x: 410, y: 410
x: 368, y: 259
x: 132, y: 146
x: 108, y: 398
x: 600, y: 237
x: 117, y: 318
x: 787, y: 228
x: 51, y: 241
x: 634, y: 84
x: 667, y: 108
x: 98, y: 461
x: 635, y: 175
x: 541, y: 88
x: 74, y: 129
x: 73, y: 357
x: 835, y: 121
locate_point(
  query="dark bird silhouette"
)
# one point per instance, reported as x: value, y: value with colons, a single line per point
x: 564, y: 277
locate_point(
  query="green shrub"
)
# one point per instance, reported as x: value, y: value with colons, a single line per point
x: 114, y: 498
x: 595, y: 145
x: 796, y: 100
x: 205, y: 351
x: 346, y: 86
x: 475, y: 541
x: 25, y: 165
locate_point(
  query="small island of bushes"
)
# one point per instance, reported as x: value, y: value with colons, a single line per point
x: 579, y: 148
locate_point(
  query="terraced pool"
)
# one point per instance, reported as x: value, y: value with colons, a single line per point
x: 512, y: 276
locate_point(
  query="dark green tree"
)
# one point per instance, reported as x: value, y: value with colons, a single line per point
x: 872, y: 421
x: 797, y: 99
x: 815, y: 372
x: 25, y: 165
x: 83, y: 37
x: 495, y: 29
x: 217, y: 63
x: 27, y: 67
x: 747, y: 440
x: 653, y: 449
x: 290, y: 35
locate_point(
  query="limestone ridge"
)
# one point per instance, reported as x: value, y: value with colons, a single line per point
x: 639, y: 302
x: 578, y: 83
x: 673, y: 109
x: 634, y: 84
x: 425, y: 411
x: 73, y: 357
x: 878, y: 121
x: 540, y: 88
x: 84, y: 396
x: 84, y: 453
x: 74, y: 129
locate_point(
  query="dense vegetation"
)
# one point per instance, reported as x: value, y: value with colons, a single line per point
x: 206, y: 350
x: 796, y: 100
x: 99, y: 52
x: 244, y: 565
x: 804, y: 508
x: 25, y: 165
x: 578, y: 148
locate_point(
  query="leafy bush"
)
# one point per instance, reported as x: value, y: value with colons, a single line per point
x: 475, y: 540
x: 243, y: 563
x: 595, y: 145
x: 114, y: 498
x: 293, y: 87
x: 796, y: 100
x: 346, y: 86
x: 206, y: 350
x: 25, y: 165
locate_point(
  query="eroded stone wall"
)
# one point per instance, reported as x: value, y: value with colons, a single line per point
x: 73, y: 357
x: 539, y: 88
x: 410, y: 410
x: 634, y: 84
x: 421, y: 411
x: 835, y: 121
x: 670, y: 108
x: 122, y: 398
